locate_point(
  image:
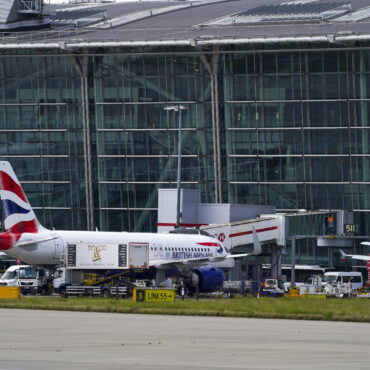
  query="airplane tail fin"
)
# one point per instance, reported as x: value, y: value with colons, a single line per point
x: 18, y: 216
x: 343, y: 255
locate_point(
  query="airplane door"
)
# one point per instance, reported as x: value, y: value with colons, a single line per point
x: 59, y: 249
x: 138, y: 255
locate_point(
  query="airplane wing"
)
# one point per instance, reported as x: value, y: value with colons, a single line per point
x: 355, y: 256
x: 219, y: 259
x: 239, y: 255
x: 188, y: 263
x: 360, y: 257
x: 195, y: 262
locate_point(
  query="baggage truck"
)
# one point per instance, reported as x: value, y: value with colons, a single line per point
x: 106, y: 264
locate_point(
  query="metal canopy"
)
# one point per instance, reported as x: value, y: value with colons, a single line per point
x: 295, y: 11
x: 190, y: 23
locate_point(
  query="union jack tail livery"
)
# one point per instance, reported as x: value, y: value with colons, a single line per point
x: 17, y: 214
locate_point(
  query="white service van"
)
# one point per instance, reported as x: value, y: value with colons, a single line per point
x: 343, y: 277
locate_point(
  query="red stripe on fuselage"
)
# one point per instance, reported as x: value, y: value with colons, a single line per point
x: 210, y: 244
x: 250, y: 232
x: 7, y: 183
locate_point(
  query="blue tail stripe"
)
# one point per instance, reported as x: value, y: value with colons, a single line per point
x: 9, y: 208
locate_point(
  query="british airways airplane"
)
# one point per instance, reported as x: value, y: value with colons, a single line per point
x: 193, y: 257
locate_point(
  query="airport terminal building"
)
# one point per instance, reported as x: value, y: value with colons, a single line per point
x: 276, y: 97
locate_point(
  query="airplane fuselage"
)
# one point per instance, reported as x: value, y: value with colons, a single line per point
x: 50, y: 245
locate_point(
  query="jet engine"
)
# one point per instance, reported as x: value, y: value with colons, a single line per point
x: 208, y: 278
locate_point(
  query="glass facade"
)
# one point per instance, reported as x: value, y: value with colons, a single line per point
x: 289, y: 127
x: 40, y: 134
x: 297, y: 129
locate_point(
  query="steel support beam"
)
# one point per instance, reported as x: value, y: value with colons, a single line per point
x: 212, y: 64
x: 81, y: 64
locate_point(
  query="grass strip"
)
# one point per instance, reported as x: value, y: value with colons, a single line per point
x: 355, y: 310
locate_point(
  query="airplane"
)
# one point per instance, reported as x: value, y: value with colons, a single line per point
x: 195, y: 257
x: 356, y: 256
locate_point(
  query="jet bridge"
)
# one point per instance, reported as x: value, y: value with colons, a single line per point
x: 237, y: 237
x: 238, y: 234
x: 231, y: 224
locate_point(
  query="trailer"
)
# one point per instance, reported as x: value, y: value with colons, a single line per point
x: 99, y: 269
x: 101, y: 291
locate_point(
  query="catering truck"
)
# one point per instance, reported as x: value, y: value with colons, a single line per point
x: 98, y: 269
x: 31, y: 280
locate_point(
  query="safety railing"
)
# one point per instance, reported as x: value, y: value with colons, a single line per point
x: 30, y: 6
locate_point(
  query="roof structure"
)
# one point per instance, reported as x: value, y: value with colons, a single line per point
x: 198, y: 22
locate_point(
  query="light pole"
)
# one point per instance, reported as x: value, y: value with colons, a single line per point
x: 178, y: 108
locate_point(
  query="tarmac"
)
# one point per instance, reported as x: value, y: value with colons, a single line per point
x: 32, y: 339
